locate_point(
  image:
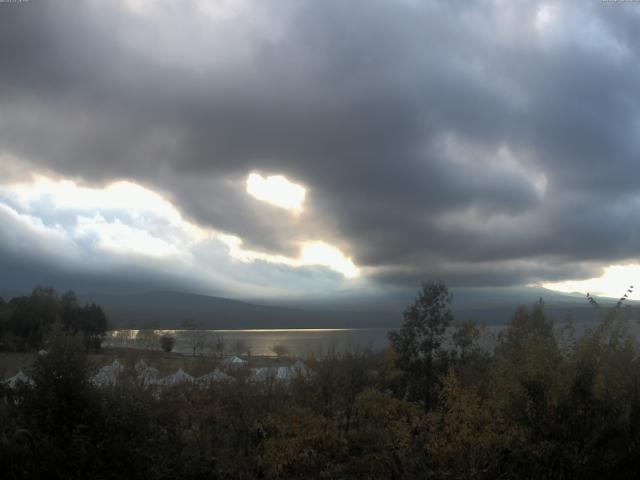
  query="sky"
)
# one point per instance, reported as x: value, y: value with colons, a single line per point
x: 319, y: 150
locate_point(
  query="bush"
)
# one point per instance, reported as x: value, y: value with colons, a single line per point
x: 167, y: 342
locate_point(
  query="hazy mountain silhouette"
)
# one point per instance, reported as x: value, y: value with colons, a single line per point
x: 173, y: 309
x: 170, y: 309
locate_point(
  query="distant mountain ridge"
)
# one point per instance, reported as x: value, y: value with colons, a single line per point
x: 178, y: 309
x: 171, y: 309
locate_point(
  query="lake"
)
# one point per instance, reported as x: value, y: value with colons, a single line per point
x: 297, y: 341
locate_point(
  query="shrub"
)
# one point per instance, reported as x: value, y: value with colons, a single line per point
x: 167, y: 342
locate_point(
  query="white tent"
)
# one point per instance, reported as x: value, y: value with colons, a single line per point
x: 175, y: 378
x: 146, y: 375
x: 261, y: 374
x: 18, y: 378
x: 235, y: 360
x: 284, y: 373
x: 215, y: 376
x: 300, y: 368
x: 109, y: 375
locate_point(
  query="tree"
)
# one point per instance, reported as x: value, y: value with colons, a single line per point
x: 93, y: 323
x: 195, y: 340
x: 388, y: 439
x: 29, y: 318
x: 70, y: 311
x: 32, y: 316
x: 465, y: 337
x: 280, y: 350
x: 302, y: 444
x: 167, y: 342
x: 464, y: 434
x: 419, y: 340
x: 61, y: 406
x: 470, y: 359
x: 193, y: 336
x: 219, y: 346
x: 147, y: 337
x: 240, y: 346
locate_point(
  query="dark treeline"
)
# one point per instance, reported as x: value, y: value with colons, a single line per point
x: 25, y: 321
x: 542, y: 404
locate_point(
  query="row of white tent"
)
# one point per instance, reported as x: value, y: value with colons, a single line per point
x: 147, y: 376
x: 280, y: 373
x: 109, y: 375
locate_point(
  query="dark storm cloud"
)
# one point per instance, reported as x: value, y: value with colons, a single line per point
x: 467, y: 142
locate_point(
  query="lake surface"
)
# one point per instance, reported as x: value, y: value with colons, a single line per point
x: 297, y: 342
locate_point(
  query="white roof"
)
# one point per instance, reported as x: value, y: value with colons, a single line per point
x: 261, y: 373
x: 18, y: 378
x: 284, y: 373
x: 300, y: 367
x: 108, y: 375
x: 215, y: 376
x: 140, y: 366
x: 235, y: 359
x: 146, y: 375
x: 278, y: 373
x: 180, y: 376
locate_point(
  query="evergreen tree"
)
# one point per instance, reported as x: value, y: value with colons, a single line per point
x: 418, y: 343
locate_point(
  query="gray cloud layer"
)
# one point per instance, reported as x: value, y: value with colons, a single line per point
x: 493, y: 143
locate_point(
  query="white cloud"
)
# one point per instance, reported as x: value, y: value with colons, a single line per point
x: 311, y: 254
x: 127, y: 224
x: 118, y: 237
x: 545, y: 15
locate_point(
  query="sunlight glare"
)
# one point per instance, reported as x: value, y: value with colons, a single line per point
x: 128, y: 218
x: 613, y: 283
x: 320, y: 253
x: 276, y: 190
x: 545, y: 15
x: 311, y: 254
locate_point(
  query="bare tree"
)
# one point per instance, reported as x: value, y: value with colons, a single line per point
x: 240, y: 346
x: 147, y: 338
x: 280, y: 350
x: 219, y: 346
